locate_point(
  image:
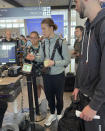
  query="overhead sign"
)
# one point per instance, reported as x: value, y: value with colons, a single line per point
x: 25, y: 12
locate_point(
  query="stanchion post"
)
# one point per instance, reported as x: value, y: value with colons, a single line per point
x: 30, y: 99
x: 35, y: 92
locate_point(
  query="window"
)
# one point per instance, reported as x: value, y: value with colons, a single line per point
x: 63, y: 12
x: 72, y: 41
x: 72, y: 31
x: 22, y: 25
x: 16, y: 25
x: 2, y: 21
x: 73, y: 25
x: 9, y: 25
x: 2, y: 25
x: 8, y: 21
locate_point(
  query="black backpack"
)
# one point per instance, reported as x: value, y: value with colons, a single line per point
x: 69, y: 121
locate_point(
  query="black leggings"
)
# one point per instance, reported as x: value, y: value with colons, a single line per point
x: 54, y: 87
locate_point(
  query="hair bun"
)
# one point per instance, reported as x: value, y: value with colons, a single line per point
x: 55, y: 27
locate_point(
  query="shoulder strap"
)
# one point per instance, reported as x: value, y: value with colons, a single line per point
x: 59, y: 48
x: 37, y: 50
x: 43, y: 47
x: 56, y: 46
x: 54, y: 50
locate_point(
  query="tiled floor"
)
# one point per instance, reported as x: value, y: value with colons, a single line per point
x: 25, y: 102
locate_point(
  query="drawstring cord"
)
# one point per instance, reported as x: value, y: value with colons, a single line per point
x: 83, y: 41
x: 88, y: 47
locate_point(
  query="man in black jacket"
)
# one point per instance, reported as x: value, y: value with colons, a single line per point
x: 90, y: 79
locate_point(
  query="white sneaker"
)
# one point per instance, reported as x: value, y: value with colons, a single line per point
x: 51, y: 118
x: 59, y: 117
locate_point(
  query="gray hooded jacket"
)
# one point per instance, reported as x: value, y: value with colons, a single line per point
x: 59, y: 62
x: 91, y: 71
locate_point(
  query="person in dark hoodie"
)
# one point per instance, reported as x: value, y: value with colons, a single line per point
x: 90, y: 79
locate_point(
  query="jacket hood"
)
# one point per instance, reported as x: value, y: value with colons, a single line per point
x: 52, y: 39
x: 55, y: 37
x: 99, y: 16
x: 91, y: 25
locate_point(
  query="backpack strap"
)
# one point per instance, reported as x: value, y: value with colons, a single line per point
x: 56, y: 46
x: 43, y: 47
x: 54, y: 50
x: 59, y: 48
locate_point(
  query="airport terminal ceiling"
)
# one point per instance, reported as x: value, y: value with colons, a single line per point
x: 43, y: 2
x: 25, y: 3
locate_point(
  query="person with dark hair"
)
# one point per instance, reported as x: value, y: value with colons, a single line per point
x: 27, y: 37
x: 23, y: 41
x: 80, y: 27
x: 34, y: 47
x: 54, y: 79
x: 8, y: 37
x: 77, y: 45
x: 28, y: 43
x: 90, y: 79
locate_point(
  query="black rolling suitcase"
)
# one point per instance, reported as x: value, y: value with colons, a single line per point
x: 69, y: 82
